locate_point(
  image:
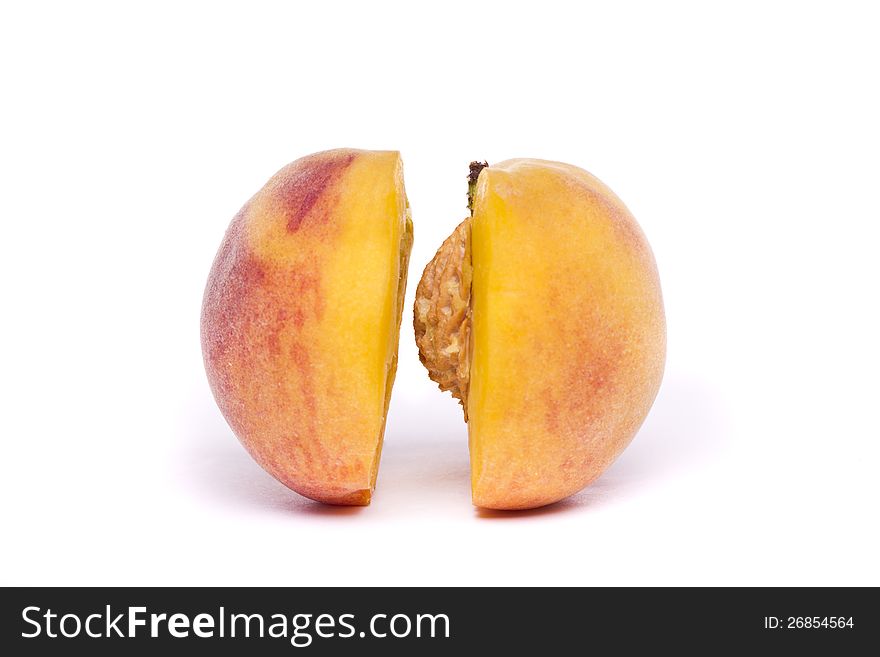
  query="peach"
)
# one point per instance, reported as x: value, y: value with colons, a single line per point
x: 301, y: 318
x: 543, y: 314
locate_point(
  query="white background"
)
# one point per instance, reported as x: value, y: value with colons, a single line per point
x: 745, y: 141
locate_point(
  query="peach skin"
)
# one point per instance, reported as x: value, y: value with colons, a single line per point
x: 301, y: 318
x: 543, y: 314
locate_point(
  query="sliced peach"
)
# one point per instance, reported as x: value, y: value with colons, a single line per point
x: 543, y: 314
x: 301, y: 318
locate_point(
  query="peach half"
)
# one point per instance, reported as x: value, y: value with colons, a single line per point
x: 301, y: 318
x: 542, y: 313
